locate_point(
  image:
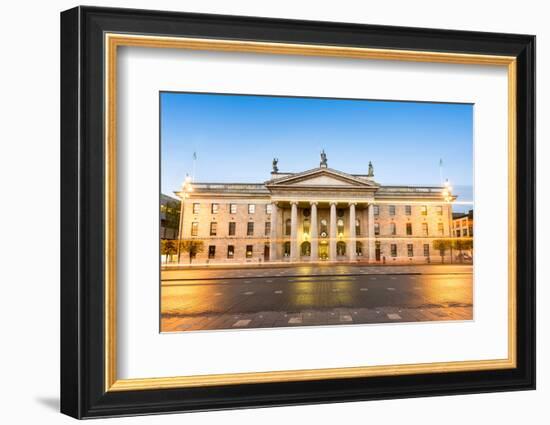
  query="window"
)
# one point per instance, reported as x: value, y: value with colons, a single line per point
x: 233, y: 208
x: 424, y: 210
x: 392, y: 209
x: 306, y: 212
x: 439, y: 210
x: 232, y: 227
x: 464, y: 232
x: 376, y: 229
x: 267, y: 228
x: 324, y: 228
x: 440, y: 230
x: 212, y: 251
x: 392, y: 229
x: 358, y: 227
x: 376, y: 209
x: 196, y: 208
x: 213, y: 228
x: 251, y: 208
x: 424, y: 229
x: 249, y: 251
x: 250, y: 228
x: 215, y: 208
x: 410, y: 252
x: 268, y: 208
x: 359, y: 249
x: 408, y: 210
x: 305, y: 249
x: 340, y: 226
x: 471, y: 230
x: 409, y: 229
x: 287, y: 227
x: 393, y: 250
x: 426, y: 250
x: 458, y: 233
x: 230, y: 251
x: 306, y: 225
x: 340, y: 212
x: 195, y: 228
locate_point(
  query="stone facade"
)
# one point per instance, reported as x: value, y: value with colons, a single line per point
x: 317, y: 215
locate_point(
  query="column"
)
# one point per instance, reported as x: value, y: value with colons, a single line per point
x: 370, y: 233
x: 314, y: 233
x: 352, y: 235
x: 273, y: 242
x: 294, y: 253
x: 332, y: 232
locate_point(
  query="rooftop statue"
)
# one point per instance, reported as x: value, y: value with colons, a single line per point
x: 323, y: 159
x: 275, y: 162
x: 371, y: 170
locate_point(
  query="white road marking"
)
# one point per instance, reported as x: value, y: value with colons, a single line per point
x: 364, y: 289
x: 248, y: 293
x: 393, y: 316
x: 346, y: 318
x: 372, y: 278
x: 217, y: 294
x: 393, y: 278
x: 278, y: 292
x: 294, y: 320
x: 390, y: 289
x: 269, y: 281
x: 335, y: 290
x: 241, y: 323
x: 247, y: 281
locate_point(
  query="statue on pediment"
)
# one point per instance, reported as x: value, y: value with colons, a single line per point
x: 275, y: 162
x: 371, y: 170
x: 323, y: 159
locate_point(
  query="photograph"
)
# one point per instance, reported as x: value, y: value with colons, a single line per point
x: 280, y: 211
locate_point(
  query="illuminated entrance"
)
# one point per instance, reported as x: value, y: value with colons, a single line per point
x: 323, y: 250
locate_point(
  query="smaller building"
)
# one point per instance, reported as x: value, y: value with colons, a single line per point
x: 463, y: 224
x: 169, y: 216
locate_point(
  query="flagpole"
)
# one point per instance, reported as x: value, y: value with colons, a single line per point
x: 441, y: 171
x: 194, y: 162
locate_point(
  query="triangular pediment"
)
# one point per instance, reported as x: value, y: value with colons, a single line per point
x: 321, y: 177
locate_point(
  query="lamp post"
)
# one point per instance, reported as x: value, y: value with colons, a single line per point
x: 185, y: 189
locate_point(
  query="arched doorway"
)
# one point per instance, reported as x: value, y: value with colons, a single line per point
x: 305, y: 249
x: 359, y: 248
x: 341, y: 248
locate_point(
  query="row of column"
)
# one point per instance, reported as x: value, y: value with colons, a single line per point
x: 314, y: 237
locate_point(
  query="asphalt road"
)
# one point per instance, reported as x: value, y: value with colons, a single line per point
x: 204, y: 300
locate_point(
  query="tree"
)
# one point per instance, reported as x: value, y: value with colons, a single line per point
x: 442, y: 245
x: 462, y: 244
x: 168, y: 247
x: 192, y: 246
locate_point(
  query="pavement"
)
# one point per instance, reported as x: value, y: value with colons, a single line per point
x: 195, y: 300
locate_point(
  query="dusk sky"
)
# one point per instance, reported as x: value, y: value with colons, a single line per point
x: 235, y: 138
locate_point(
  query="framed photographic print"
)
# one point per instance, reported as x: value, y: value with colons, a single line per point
x: 261, y: 212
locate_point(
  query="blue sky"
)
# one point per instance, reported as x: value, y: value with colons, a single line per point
x: 235, y: 138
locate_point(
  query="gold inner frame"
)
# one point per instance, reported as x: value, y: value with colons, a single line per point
x: 113, y: 41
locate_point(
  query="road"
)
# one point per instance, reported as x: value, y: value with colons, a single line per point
x: 313, y: 295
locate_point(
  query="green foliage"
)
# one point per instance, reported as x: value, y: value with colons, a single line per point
x: 442, y: 245
x: 192, y: 247
x: 168, y: 247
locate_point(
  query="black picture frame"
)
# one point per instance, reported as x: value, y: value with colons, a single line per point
x: 82, y: 212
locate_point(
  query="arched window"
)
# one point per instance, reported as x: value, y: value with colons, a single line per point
x: 287, y: 227
x: 340, y: 226
x: 286, y: 249
x: 341, y: 248
x: 306, y: 212
x: 358, y: 227
x: 359, y: 248
x: 324, y: 228
x: 305, y: 249
x: 306, y: 225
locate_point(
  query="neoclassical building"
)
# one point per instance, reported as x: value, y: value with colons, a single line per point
x: 320, y: 214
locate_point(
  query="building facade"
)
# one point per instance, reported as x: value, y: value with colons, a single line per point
x: 317, y: 215
x: 169, y: 217
x: 463, y: 224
